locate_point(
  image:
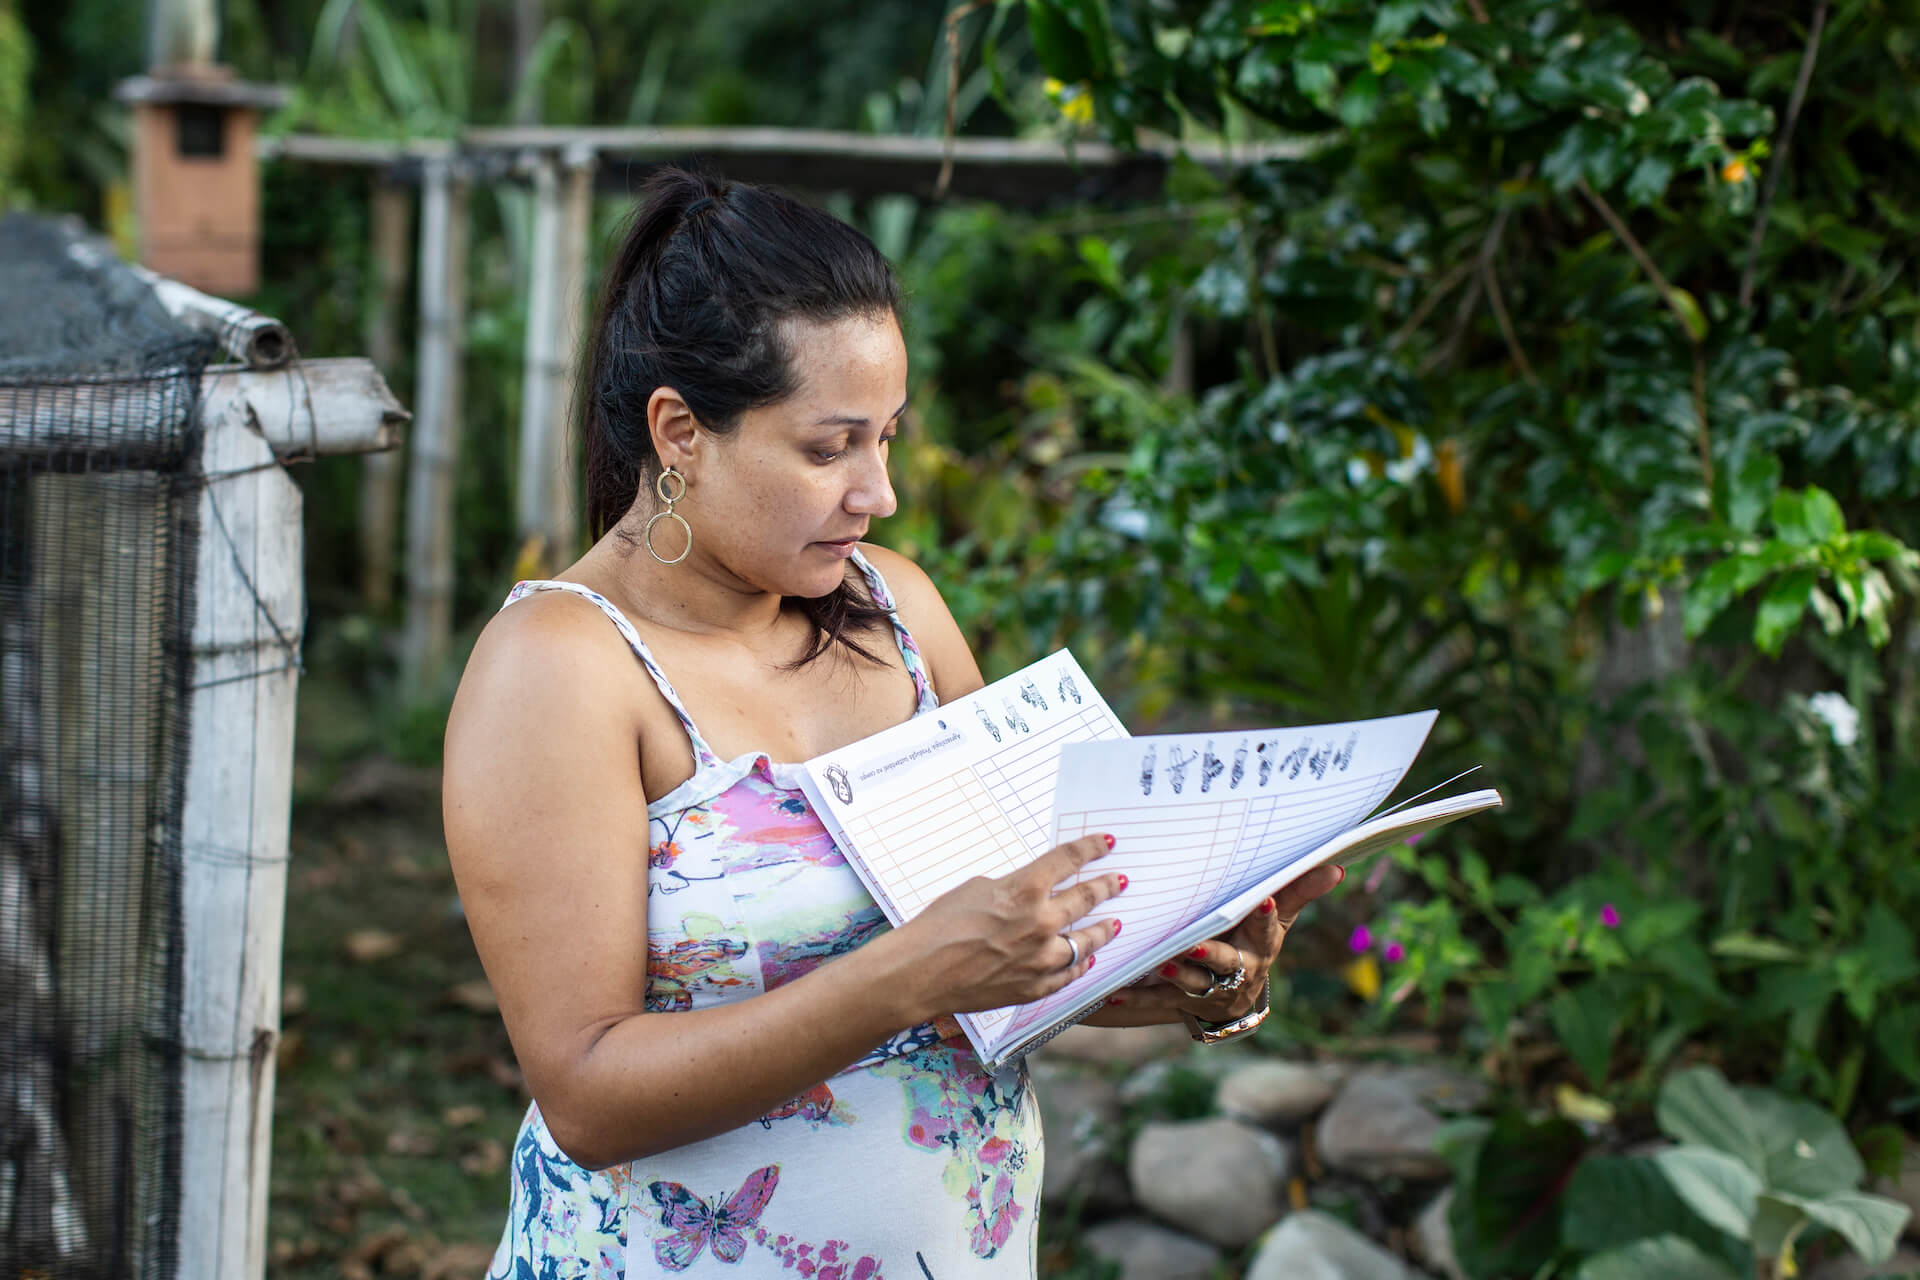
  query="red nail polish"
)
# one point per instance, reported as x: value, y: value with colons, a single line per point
x: 1090, y: 962
x: 1116, y: 999
x: 1342, y: 879
x: 1198, y: 953
x: 1109, y: 840
x: 1169, y: 970
x: 1123, y: 884
x: 1266, y: 907
x: 1116, y: 930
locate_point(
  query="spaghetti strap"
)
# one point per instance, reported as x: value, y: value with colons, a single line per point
x: 925, y: 697
x: 702, y: 753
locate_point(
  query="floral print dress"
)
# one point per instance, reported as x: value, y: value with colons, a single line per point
x: 917, y: 1162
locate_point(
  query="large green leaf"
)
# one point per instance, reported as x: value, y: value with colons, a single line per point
x: 1663, y: 1257
x: 1808, y: 1153
x: 1782, y: 608
x: 1869, y: 1224
x: 1506, y: 1213
x: 1586, y: 1020
x: 1698, y: 1105
x: 1616, y: 1200
x: 1719, y: 1188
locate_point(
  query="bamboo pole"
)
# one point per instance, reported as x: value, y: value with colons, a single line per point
x: 380, y: 477
x: 248, y: 604
x: 543, y: 380
x: 436, y: 437
x: 577, y: 287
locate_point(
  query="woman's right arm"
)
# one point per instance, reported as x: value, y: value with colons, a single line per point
x: 546, y: 827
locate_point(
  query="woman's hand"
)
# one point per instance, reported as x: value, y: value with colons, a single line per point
x: 997, y: 941
x: 1252, y: 945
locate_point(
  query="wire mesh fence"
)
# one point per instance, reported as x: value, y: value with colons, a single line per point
x: 98, y: 503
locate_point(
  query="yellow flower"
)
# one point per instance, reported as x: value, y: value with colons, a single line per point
x: 1074, y: 100
x: 1362, y: 976
x: 1735, y: 170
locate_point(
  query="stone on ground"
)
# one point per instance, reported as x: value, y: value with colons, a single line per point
x: 1080, y: 1110
x: 1431, y: 1238
x: 1384, y: 1120
x: 1277, y: 1094
x: 1148, y: 1251
x: 1311, y: 1245
x: 1130, y: 1045
x: 1217, y: 1178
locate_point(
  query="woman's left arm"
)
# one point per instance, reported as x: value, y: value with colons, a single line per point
x: 1164, y: 996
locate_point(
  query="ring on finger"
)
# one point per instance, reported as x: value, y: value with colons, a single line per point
x: 1213, y: 985
x: 1073, y: 951
x: 1234, y: 980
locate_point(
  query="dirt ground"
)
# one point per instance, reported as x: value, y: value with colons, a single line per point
x: 397, y: 1098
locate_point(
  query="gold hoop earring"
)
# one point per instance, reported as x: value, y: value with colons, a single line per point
x: 660, y: 490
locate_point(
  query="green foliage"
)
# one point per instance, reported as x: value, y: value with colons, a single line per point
x: 1751, y: 1173
x: 1568, y: 380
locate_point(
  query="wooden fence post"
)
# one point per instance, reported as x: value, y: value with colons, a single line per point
x: 435, y: 446
x: 546, y: 510
x: 380, y: 480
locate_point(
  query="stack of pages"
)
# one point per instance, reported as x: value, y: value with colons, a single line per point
x: 1204, y: 825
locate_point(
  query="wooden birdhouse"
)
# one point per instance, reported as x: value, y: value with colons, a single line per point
x: 196, y: 179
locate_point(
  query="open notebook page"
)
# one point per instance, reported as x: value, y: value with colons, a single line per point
x: 1198, y: 819
x: 963, y: 790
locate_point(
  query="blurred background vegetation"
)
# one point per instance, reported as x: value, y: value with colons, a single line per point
x: 1568, y: 382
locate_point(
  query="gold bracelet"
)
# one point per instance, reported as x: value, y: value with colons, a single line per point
x: 1218, y: 1032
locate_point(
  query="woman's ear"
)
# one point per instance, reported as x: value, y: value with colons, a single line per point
x: 672, y: 425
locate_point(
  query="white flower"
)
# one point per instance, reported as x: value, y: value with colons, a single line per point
x: 1842, y: 720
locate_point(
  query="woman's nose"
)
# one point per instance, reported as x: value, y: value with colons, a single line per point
x: 873, y: 495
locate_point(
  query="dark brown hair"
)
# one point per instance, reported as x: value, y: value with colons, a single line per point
x: 695, y: 299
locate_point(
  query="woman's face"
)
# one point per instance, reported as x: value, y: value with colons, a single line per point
x: 780, y: 501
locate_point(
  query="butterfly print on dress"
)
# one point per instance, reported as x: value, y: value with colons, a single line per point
x: 694, y: 1224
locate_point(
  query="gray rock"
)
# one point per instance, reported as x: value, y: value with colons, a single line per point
x: 1278, y: 1094
x: 1384, y: 1120
x: 1080, y: 1109
x: 1311, y: 1245
x: 1130, y: 1045
x: 1430, y: 1239
x: 1221, y: 1180
x: 1148, y: 1251
x: 1904, y: 1262
x: 1155, y: 1077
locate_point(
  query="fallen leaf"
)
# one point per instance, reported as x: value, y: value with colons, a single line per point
x: 402, y: 1142
x: 488, y: 1157
x: 368, y: 945
x: 287, y: 1052
x: 458, y: 1262
x: 373, y: 1247
x: 461, y: 1116
x: 475, y: 995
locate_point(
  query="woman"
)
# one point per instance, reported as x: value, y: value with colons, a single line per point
x: 772, y: 1080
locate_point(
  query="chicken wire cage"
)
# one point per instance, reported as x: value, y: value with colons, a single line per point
x: 150, y: 615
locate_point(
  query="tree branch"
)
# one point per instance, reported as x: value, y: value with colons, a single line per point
x: 954, y: 17
x: 1673, y: 304
x: 1794, y: 102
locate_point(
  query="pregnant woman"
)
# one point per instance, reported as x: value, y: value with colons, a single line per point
x: 738, y: 1069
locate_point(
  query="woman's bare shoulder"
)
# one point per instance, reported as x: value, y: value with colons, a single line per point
x: 949, y: 659
x: 547, y: 667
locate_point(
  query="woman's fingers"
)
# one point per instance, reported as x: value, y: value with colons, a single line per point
x: 1063, y: 861
x: 1086, y: 942
x: 1290, y: 900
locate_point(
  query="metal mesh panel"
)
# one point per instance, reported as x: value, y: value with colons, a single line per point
x: 97, y: 511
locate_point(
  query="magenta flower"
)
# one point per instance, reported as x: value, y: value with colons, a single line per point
x: 1609, y: 916
x: 1394, y: 952
x: 1360, y: 941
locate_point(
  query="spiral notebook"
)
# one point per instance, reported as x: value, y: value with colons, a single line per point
x: 1205, y: 825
